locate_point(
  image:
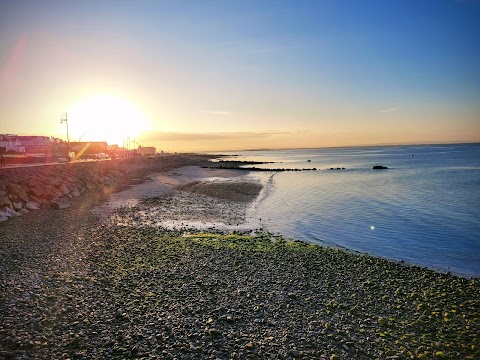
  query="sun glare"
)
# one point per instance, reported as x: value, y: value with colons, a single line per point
x: 106, y: 118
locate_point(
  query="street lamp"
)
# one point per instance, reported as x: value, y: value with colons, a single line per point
x: 64, y: 119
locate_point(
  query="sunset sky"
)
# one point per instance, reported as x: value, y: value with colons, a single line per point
x: 228, y: 75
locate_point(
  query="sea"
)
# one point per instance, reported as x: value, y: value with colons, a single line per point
x: 423, y: 210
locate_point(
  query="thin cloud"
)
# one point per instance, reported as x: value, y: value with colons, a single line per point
x: 209, y: 136
x: 216, y: 112
x: 389, y: 110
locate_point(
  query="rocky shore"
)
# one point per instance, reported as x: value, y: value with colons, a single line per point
x: 29, y: 188
x: 76, y: 286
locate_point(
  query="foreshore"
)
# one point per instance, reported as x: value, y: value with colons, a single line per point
x: 116, y: 284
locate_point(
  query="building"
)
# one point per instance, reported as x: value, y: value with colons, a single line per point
x: 88, y: 149
x: 38, y: 144
x: 10, y: 142
x: 146, y: 150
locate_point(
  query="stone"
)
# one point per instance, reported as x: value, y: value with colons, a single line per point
x: 10, y: 212
x: 56, y: 192
x: 35, y: 199
x: 17, y: 206
x: 49, y: 181
x: 64, y: 189
x: 379, y: 167
x: 32, y: 205
x: 37, y: 191
x: 60, y: 203
x: 23, y: 211
x: 3, y: 193
x: 295, y: 353
x: 14, y: 189
x: 5, y: 201
x: 24, y: 197
x: 382, y: 321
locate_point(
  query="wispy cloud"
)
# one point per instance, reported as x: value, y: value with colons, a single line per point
x: 180, y: 136
x: 216, y: 112
x: 389, y: 110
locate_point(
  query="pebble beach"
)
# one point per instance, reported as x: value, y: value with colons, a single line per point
x: 139, y: 279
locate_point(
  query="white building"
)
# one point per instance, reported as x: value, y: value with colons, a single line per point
x: 146, y: 150
x: 11, y: 142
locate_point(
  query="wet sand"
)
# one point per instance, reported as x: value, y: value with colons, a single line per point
x: 187, y: 198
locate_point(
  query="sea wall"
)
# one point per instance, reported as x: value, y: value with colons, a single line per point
x: 26, y: 189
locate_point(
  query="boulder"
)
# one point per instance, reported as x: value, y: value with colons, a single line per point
x: 32, y: 205
x: 17, y: 206
x: 60, y: 203
x: 8, y: 212
x: 11, y: 212
x: 24, y: 197
x: 379, y: 167
x: 49, y: 181
x: 3, y: 193
x: 49, y: 195
x: 23, y: 211
x: 64, y: 189
x: 33, y: 182
x: 35, y: 199
x: 57, y: 192
x: 5, y: 201
x: 37, y: 191
x: 14, y: 188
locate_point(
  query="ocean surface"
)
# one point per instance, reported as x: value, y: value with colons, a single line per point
x: 425, y: 209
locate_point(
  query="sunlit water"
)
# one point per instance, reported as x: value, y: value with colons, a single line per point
x: 425, y: 209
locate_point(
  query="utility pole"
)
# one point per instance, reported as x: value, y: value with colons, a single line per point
x: 64, y: 119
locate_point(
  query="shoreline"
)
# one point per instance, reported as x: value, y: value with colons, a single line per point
x: 84, y: 287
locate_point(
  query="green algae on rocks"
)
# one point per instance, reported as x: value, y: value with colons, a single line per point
x: 222, y: 292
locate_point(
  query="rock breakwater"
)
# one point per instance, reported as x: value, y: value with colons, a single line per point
x: 31, y: 188
x: 55, y: 186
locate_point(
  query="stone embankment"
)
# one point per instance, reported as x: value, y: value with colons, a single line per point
x: 30, y: 188
x: 26, y: 189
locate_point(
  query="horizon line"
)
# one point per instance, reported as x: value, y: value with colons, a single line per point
x: 462, y: 142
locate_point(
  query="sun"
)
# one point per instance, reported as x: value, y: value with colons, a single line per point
x: 105, y: 117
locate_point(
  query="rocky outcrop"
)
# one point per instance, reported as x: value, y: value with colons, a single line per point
x: 56, y: 186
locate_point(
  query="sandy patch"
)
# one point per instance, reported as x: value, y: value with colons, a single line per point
x: 161, y: 185
x: 239, y: 191
x: 190, y: 197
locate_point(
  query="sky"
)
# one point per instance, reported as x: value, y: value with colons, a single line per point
x: 242, y: 74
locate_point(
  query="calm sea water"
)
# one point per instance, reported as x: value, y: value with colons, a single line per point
x: 425, y: 209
